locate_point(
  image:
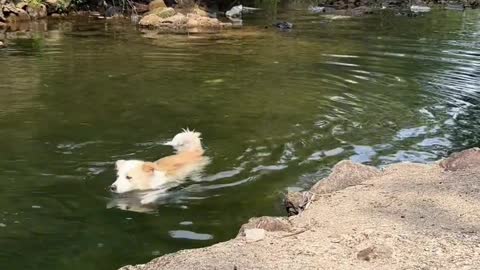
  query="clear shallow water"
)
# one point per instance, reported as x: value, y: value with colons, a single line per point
x: 276, y: 110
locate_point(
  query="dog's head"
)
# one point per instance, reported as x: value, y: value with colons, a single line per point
x: 133, y: 175
x: 186, y: 141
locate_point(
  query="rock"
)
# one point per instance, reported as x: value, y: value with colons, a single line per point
x: 37, y: 11
x: 455, y: 6
x: 420, y: 9
x: 113, y: 12
x: 234, y: 12
x: 140, y: 8
x: 254, y: 235
x: 198, y: 11
x: 22, y: 5
x: 156, y: 4
x: 176, y: 20
x: 462, y: 160
x: 20, y: 16
x: 2, y: 17
x: 270, y: 224
x: 283, y: 25
x: 9, y: 8
x: 163, y: 12
x: 373, y: 252
x: 197, y: 21
x: 316, y: 10
x: 296, y: 202
x: 150, y: 20
x: 2, y: 45
x: 345, y: 174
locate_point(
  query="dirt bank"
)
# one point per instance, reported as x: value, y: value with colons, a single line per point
x: 406, y: 216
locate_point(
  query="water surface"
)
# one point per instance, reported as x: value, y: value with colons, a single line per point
x: 276, y: 110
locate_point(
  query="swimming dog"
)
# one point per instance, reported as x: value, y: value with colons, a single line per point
x: 144, y: 175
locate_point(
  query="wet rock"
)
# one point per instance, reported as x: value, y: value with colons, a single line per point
x: 462, y: 160
x: 270, y: 224
x: 196, y: 21
x: 254, y: 235
x: 156, y: 4
x: 283, y: 25
x: 345, y: 174
x: 296, y: 202
x: 373, y: 252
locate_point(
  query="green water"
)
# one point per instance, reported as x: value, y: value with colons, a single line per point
x: 276, y: 109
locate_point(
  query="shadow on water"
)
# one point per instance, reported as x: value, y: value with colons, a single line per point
x: 276, y: 111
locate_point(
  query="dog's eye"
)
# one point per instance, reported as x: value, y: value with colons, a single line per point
x: 129, y: 177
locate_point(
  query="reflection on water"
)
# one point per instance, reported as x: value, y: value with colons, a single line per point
x: 276, y: 110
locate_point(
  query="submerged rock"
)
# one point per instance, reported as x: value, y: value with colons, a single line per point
x: 283, y: 25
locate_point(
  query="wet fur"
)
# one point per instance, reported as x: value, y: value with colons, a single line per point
x: 142, y: 175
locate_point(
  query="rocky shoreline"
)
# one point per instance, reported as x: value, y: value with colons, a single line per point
x: 404, y: 216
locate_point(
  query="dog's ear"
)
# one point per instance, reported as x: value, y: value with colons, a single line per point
x: 119, y: 164
x: 149, y: 167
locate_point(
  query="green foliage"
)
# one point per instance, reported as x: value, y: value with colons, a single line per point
x: 34, y: 3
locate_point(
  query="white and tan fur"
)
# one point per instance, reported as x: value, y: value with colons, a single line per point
x: 143, y: 175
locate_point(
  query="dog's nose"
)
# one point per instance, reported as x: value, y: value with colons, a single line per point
x: 113, y: 188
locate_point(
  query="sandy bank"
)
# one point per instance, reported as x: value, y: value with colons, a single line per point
x: 406, y: 216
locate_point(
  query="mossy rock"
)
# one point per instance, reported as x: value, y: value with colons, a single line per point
x: 156, y: 4
x: 163, y: 12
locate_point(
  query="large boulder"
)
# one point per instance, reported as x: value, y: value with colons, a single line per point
x: 156, y: 4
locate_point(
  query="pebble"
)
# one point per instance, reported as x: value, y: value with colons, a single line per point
x: 3, y: 225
